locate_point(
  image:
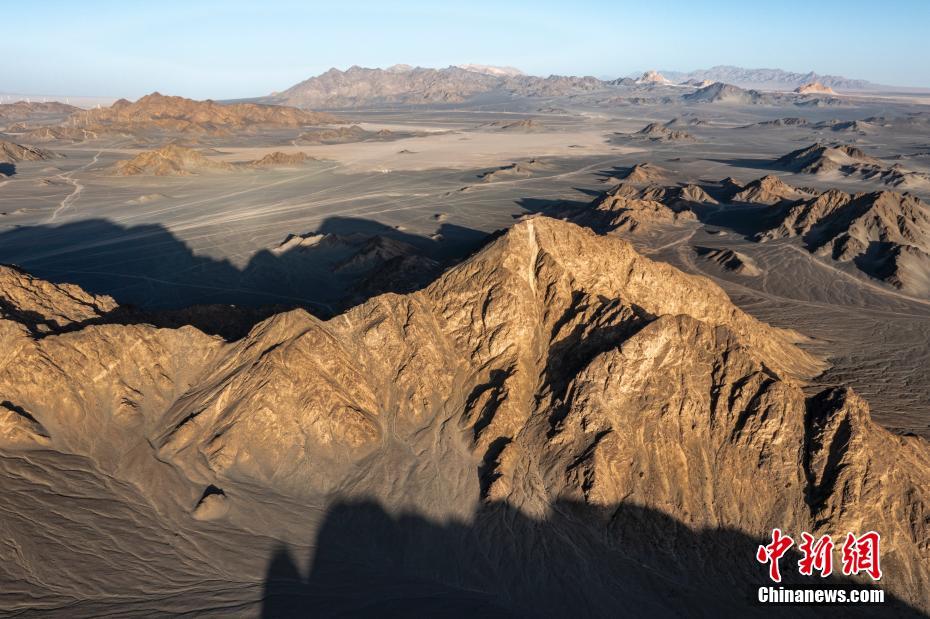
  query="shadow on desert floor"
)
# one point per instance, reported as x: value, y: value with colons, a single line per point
x: 148, y: 267
x: 580, y: 561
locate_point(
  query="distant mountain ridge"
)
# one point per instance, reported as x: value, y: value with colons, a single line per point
x: 773, y: 79
x: 419, y: 85
x: 409, y: 85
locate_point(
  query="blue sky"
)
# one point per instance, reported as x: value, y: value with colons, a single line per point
x: 226, y: 49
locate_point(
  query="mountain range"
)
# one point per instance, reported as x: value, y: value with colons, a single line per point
x: 404, y: 84
x: 417, y: 85
x: 768, y: 79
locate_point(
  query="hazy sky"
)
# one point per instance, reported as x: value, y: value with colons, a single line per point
x: 226, y: 49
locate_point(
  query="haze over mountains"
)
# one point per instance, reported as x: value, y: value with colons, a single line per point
x: 769, y: 79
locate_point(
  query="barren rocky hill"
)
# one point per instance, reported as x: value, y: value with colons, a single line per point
x: 846, y: 160
x: 518, y: 169
x: 20, y: 111
x: 622, y: 209
x: 10, y: 152
x: 653, y: 77
x: 848, y: 126
x: 159, y: 113
x: 662, y: 133
x: 646, y: 173
x: 885, y: 234
x: 351, y: 133
x: 176, y: 160
x: 768, y: 190
x: 719, y: 92
x: 45, y: 307
x: 791, y: 121
x: 524, y: 125
x: 278, y: 158
x: 638, y: 205
x: 559, y: 413
x: 821, y: 158
x: 170, y: 160
x: 814, y: 88
x: 730, y: 260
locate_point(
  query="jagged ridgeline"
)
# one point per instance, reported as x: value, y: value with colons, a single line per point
x: 557, y: 425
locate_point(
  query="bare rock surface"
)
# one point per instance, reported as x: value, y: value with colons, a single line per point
x: 646, y: 173
x: 157, y: 114
x: 814, y: 88
x: 170, y: 160
x: 731, y: 260
x: 10, y: 152
x: 176, y: 160
x: 768, y: 190
x: 557, y: 385
x: 662, y: 133
x: 849, y: 161
x: 38, y: 303
x: 719, y: 92
x: 885, y: 234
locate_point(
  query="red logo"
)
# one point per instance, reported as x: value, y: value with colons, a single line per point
x: 817, y: 555
x: 860, y: 554
x: 773, y: 552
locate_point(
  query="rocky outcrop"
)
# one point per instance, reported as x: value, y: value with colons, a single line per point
x: 768, y: 190
x: 730, y: 260
x: 646, y: 173
x: 280, y: 159
x: 821, y: 158
x: 352, y: 133
x: 635, y: 207
x: 885, y: 234
x: 850, y: 161
x: 519, y: 169
x: 175, y: 160
x: 653, y: 77
x: 790, y: 121
x: 11, y: 152
x: 631, y: 215
x: 814, y: 88
x: 157, y: 113
x: 658, y: 132
x: 20, y: 111
x: 42, y: 306
x: 718, y: 92
x: 170, y: 160
x: 524, y: 125
x: 678, y: 197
